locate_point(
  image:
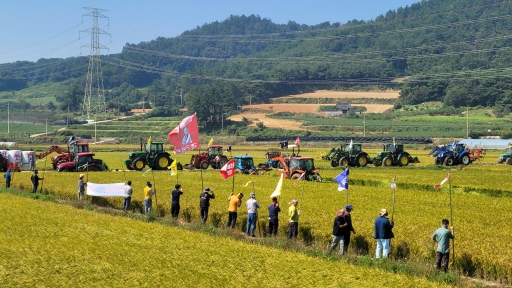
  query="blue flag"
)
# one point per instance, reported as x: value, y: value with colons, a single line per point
x: 342, y: 180
x: 454, y: 144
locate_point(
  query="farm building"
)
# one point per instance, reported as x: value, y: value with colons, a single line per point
x: 339, y: 109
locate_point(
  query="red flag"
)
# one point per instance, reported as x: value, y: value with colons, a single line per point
x: 185, y: 137
x: 228, y: 170
x: 442, y: 182
x: 300, y: 178
x: 297, y: 141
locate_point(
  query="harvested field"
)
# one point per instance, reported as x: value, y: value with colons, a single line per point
x: 347, y: 94
x: 268, y: 122
x: 312, y: 108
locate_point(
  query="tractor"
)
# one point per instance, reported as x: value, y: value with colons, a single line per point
x: 293, y: 167
x: 507, y: 156
x: 449, y: 156
x: 245, y: 165
x: 151, y: 154
x: 83, y: 161
x: 5, y: 165
x: 64, y: 155
x: 212, y: 157
x: 394, y: 155
x: 350, y: 155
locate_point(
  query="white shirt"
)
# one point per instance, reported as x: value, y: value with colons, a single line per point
x: 252, y: 205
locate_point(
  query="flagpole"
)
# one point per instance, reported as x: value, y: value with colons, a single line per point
x: 154, y: 185
x: 124, y: 172
x: 201, y: 169
x: 44, y: 172
x: 302, y: 194
x: 253, y: 190
x: 451, y: 220
x: 233, y: 184
x: 393, y: 205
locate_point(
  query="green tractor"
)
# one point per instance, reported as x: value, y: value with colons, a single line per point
x: 394, y: 155
x: 152, y: 155
x: 350, y: 155
x: 507, y: 156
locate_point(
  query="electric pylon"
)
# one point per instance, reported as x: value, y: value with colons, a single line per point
x: 94, y: 99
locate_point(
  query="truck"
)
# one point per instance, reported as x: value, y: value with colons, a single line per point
x: 213, y: 156
x: 83, y: 161
x: 393, y: 154
x: 151, y: 155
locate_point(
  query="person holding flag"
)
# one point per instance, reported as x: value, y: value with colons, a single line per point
x: 383, y: 233
x: 175, y: 203
x: 293, y: 221
x: 442, y: 238
x: 273, y: 217
x: 349, y: 228
x: 234, y: 203
x: 204, y: 203
x: 252, y: 210
x: 148, y: 198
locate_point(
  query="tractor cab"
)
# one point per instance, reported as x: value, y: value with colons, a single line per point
x: 84, y: 158
x: 244, y: 164
x: 213, y: 151
x: 354, y: 150
x: 154, y: 148
x: 305, y: 164
x: 394, y: 148
x: 79, y: 148
x: 459, y: 148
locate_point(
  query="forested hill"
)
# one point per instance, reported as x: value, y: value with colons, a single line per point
x: 456, y: 51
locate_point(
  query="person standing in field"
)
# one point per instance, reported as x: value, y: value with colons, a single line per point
x: 35, y: 181
x: 7, y: 177
x: 383, y: 233
x: 442, y: 238
x: 273, y: 217
x: 338, y: 231
x: 234, y: 203
x: 81, y: 187
x: 252, y: 210
x: 128, y: 190
x: 175, y: 203
x: 293, y: 221
x: 148, y: 198
x: 32, y: 162
x: 349, y: 229
x: 204, y: 203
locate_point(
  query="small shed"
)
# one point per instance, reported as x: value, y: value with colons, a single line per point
x: 343, y: 107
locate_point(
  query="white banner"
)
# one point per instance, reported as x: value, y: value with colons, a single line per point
x: 105, y: 190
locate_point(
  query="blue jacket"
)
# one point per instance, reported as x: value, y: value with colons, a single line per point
x: 382, y: 228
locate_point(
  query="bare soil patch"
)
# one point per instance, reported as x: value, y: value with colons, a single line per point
x: 312, y: 108
x: 268, y: 122
x: 348, y: 94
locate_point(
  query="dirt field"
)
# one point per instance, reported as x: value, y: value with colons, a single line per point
x: 268, y: 122
x: 345, y: 94
x: 312, y: 108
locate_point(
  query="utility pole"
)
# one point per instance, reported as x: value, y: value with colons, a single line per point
x: 94, y: 99
x: 46, y: 126
x: 181, y: 96
x: 467, y: 122
x: 8, y: 119
x: 364, y: 124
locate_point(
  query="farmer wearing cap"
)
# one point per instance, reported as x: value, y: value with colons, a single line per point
x: 349, y: 229
x: 175, y: 203
x: 7, y: 177
x: 383, y: 233
x: 128, y: 190
x: 442, y: 238
x: 273, y: 217
x: 35, y: 181
x: 81, y: 187
x: 338, y: 231
x: 204, y: 203
x: 148, y: 195
x: 293, y: 221
x: 234, y: 203
x: 252, y: 208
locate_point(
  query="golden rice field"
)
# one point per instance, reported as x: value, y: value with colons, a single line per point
x: 50, y: 245
x: 482, y: 223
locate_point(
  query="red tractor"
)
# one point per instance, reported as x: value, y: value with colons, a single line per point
x: 5, y: 165
x: 293, y: 167
x: 212, y: 157
x: 64, y: 155
x: 83, y: 162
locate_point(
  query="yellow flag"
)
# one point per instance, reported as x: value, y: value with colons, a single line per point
x: 247, y: 184
x: 149, y: 141
x: 173, y: 167
x: 279, y: 187
x: 210, y: 143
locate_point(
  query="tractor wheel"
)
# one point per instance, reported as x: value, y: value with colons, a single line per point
x: 361, y: 160
x: 466, y: 160
x: 162, y: 162
x: 238, y: 171
x: 280, y: 165
x: 438, y: 161
x: 403, y: 160
x: 509, y: 161
x: 334, y: 163
x: 138, y: 164
x: 295, y: 176
x: 387, y: 161
x: 344, y: 161
x: 222, y: 162
x: 129, y: 167
x: 315, y: 177
x: 448, y: 161
x: 204, y: 165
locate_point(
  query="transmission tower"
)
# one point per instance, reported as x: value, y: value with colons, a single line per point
x: 94, y: 99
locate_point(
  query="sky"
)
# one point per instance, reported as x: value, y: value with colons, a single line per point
x: 34, y: 29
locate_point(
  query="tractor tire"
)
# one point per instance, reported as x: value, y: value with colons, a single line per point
x: 222, y: 162
x: 361, y: 160
x: 129, y: 167
x: 387, y: 161
x: 466, y: 160
x: 295, y: 176
x: 334, y: 163
x: 204, y: 165
x: 162, y: 162
x: 448, y: 161
x: 280, y: 165
x: 509, y: 161
x: 344, y: 161
x: 238, y: 171
x: 138, y: 164
x: 403, y: 160
x: 315, y: 177
x: 438, y: 161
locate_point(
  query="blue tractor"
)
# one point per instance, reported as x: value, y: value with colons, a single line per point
x: 245, y: 165
x: 449, y: 155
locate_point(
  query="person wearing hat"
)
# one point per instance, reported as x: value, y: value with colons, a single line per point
x: 81, y: 187
x: 234, y: 203
x: 128, y: 190
x: 349, y: 229
x: 252, y: 210
x: 35, y: 181
x: 338, y: 231
x: 383, y: 233
x: 148, y: 197
x: 273, y: 217
x: 442, y: 238
x: 175, y: 203
x: 204, y: 203
x: 293, y: 221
